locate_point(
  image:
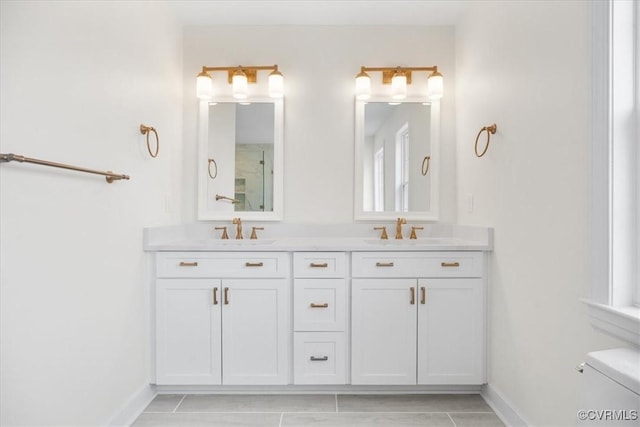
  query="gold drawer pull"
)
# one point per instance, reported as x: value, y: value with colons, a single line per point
x: 323, y: 265
x: 215, y: 296
x: 226, y: 296
x: 423, y: 295
x: 384, y: 264
x: 253, y: 264
x: 319, y: 359
x: 413, y: 295
x: 188, y: 264
x: 325, y: 305
x: 450, y: 264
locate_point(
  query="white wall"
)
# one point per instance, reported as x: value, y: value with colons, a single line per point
x: 319, y: 64
x: 77, y: 80
x: 526, y: 66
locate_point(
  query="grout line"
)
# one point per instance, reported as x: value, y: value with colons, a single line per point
x: 179, y: 403
x: 454, y: 423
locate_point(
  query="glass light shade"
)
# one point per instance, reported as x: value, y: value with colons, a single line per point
x: 435, y: 85
x: 276, y: 84
x: 399, y: 86
x: 240, y: 85
x: 204, y: 86
x: 363, y: 86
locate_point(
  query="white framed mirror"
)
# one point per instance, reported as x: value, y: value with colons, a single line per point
x: 240, y: 159
x: 396, y: 159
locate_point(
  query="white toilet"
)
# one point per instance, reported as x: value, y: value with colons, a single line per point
x: 610, y: 389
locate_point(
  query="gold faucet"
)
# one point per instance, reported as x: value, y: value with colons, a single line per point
x: 383, y: 235
x: 413, y: 232
x: 399, y: 223
x: 224, y: 232
x: 254, y: 235
x: 238, y: 224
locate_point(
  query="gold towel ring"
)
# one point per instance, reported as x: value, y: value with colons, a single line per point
x: 490, y: 131
x: 427, y: 159
x: 146, y: 130
x: 214, y: 164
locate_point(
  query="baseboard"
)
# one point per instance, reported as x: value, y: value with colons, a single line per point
x: 503, y: 409
x: 133, y: 407
x: 318, y: 389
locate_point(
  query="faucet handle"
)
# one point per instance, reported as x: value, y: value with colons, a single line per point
x: 254, y: 236
x: 224, y: 232
x: 383, y: 235
x: 413, y: 232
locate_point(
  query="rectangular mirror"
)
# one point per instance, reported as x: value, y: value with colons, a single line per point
x: 396, y: 159
x: 240, y: 160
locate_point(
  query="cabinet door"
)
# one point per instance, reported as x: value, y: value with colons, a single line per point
x: 450, y: 331
x: 255, y: 331
x: 188, y: 331
x: 384, y: 331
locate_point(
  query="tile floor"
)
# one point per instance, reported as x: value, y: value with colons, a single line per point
x: 433, y: 410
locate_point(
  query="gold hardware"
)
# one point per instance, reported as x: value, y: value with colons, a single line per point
x: 413, y: 295
x: 238, y: 223
x: 224, y: 232
x: 253, y: 264
x: 389, y: 72
x: 491, y: 130
x: 250, y: 72
x: 325, y: 305
x: 211, y: 160
x: 399, y: 223
x: 146, y: 130
x: 423, y: 295
x: 233, y: 201
x: 215, y: 296
x: 226, y: 296
x: 384, y: 264
x: 413, y: 232
x: 254, y: 236
x: 319, y: 359
x: 188, y: 264
x: 383, y: 235
x: 424, y: 171
x: 450, y: 264
x: 319, y: 265
x: 109, y: 176
x: 434, y: 80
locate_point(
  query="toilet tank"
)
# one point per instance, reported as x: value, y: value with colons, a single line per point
x: 610, y: 389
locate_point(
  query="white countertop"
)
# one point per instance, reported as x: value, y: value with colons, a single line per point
x: 437, y: 237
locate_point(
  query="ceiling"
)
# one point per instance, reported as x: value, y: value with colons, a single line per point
x: 314, y: 12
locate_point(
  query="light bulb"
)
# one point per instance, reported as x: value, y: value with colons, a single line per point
x: 363, y: 86
x: 240, y: 85
x: 399, y: 85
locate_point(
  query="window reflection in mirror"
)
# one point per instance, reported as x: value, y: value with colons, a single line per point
x: 396, y: 139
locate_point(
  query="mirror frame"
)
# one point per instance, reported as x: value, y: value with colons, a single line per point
x: 278, y: 164
x: 359, y: 213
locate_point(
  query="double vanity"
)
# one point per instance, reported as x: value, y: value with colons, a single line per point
x: 298, y: 310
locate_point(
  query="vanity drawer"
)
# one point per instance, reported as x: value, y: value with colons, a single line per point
x: 319, y: 304
x: 319, y: 264
x: 417, y: 264
x: 222, y: 264
x: 319, y: 358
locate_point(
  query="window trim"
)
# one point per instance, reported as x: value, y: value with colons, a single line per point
x: 607, y: 311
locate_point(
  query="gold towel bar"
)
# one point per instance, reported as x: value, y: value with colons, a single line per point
x: 109, y: 176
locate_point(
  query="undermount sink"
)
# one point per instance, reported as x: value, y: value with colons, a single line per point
x: 236, y: 242
x: 420, y: 241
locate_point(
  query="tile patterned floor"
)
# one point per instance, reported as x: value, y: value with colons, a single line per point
x: 326, y: 410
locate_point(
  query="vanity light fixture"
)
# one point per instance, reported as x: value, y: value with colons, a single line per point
x: 398, y: 78
x: 240, y: 77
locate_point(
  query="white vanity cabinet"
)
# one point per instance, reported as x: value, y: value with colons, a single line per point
x: 319, y: 312
x: 417, y: 318
x: 222, y: 318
